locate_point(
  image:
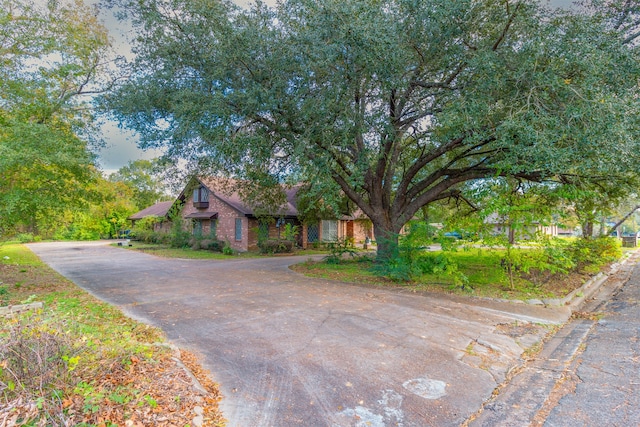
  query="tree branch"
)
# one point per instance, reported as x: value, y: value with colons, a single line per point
x: 505, y: 30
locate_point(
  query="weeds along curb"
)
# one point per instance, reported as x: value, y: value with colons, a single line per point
x: 586, y: 291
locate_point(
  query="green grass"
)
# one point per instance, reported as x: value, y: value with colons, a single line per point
x: 486, y: 277
x: 18, y: 254
x: 166, y: 251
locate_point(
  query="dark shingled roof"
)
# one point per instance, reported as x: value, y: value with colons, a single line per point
x: 160, y: 209
x: 225, y: 190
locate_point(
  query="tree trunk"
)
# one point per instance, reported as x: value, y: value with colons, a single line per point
x: 386, y: 239
x: 619, y: 223
x: 587, y: 229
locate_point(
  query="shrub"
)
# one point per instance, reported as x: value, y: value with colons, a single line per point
x: 26, y: 238
x: 338, y: 249
x: 208, y: 244
x: 290, y: 232
x: 595, y: 253
x: 227, y: 249
x: 275, y: 246
x: 179, y: 238
x: 38, y: 360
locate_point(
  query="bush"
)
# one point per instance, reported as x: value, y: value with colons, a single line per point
x: 26, y: 238
x: 408, y: 259
x: 338, y: 249
x: 275, y: 246
x: 38, y: 360
x: 179, y: 238
x: 594, y: 253
x: 207, y: 244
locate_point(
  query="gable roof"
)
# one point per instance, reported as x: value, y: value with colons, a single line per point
x: 160, y: 209
x: 226, y: 189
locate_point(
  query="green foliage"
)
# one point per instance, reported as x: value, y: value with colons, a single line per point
x: 275, y: 246
x: 179, y: 237
x: 557, y: 256
x: 227, y: 249
x: 290, y: 232
x: 595, y: 252
x: 207, y: 243
x: 411, y: 258
x: 51, y: 55
x: 338, y: 250
x: 146, y: 224
x: 4, y: 295
x: 26, y: 238
x: 144, y: 179
x: 395, y: 104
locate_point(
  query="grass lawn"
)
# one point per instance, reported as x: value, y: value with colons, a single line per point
x: 79, y: 361
x: 486, y: 277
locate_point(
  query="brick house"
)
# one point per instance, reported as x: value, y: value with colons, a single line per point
x: 213, y: 206
x: 160, y: 211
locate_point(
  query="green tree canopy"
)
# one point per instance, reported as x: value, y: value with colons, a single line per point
x: 145, y: 180
x: 50, y: 58
x: 396, y: 101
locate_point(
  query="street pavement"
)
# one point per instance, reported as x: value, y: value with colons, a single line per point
x: 588, y: 374
x: 292, y: 351
x: 606, y: 375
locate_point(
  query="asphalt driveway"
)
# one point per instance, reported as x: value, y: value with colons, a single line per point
x: 293, y: 351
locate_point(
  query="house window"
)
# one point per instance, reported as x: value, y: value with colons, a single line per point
x: 329, y: 231
x: 313, y: 233
x: 201, y: 197
x: 238, y: 229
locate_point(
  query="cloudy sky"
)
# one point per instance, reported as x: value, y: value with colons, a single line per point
x: 121, y: 144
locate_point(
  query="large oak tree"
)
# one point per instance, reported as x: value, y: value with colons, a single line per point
x: 395, y: 103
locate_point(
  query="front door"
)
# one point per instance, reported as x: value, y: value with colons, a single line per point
x: 349, y: 229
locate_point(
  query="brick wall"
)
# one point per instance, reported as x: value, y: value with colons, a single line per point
x: 226, y: 224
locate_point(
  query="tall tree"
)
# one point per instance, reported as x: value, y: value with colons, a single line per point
x: 398, y: 102
x: 50, y: 57
x: 145, y: 180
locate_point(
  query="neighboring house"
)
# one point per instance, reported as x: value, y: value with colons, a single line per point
x: 499, y: 225
x: 160, y: 210
x: 214, y: 207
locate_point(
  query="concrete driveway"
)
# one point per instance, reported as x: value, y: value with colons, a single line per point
x: 293, y: 351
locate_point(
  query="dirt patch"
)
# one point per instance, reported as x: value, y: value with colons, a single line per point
x: 519, y: 329
x: 558, y: 284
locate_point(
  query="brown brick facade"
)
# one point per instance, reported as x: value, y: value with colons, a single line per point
x: 225, y: 222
